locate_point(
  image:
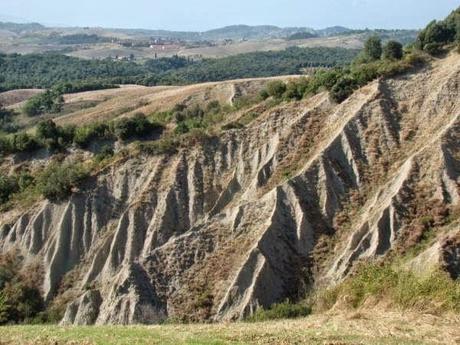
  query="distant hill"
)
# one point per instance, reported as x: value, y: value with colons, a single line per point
x: 233, y: 32
x: 20, y: 27
x: 333, y: 30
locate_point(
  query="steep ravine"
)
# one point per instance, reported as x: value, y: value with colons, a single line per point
x: 219, y: 229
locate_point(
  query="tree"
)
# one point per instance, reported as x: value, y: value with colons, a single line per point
x: 47, y: 130
x: 437, y: 34
x: 393, y: 50
x: 373, y: 48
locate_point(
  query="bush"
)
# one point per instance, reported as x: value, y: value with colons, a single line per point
x: 159, y: 147
x: 84, y: 135
x: 263, y: 94
x: 105, y: 153
x: 278, y: 311
x: 54, y: 137
x: 57, y: 182
x: 276, y: 89
x: 434, y: 292
x: 344, y: 87
x: 213, y: 107
x: 295, y: 89
x: 393, y: 50
x: 137, y: 126
x: 20, y: 299
x: 22, y: 142
x: 6, y: 120
x: 8, y: 186
x: 47, y: 102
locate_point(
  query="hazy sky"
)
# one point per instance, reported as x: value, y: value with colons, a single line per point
x: 207, y: 14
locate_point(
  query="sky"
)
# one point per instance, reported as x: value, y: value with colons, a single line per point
x: 200, y: 15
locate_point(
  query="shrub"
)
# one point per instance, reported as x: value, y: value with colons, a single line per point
x: 295, y: 89
x: 84, y: 135
x: 47, y: 102
x: 137, y: 126
x: 213, y: 107
x: 54, y: 137
x: 263, y: 94
x: 344, y: 87
x: 57, y: 182
x: 23, y: 142
x: 8, y: 186
x: 181, y: 128
x: 20, y: 299
x: 105, y: 153
x: 364, y: 73
x: 323, y: 79
x: 6, y: 120
x: 393, y: 50
x: 159, y: 147
x: 277, y: 311
x: 232, y: 125
x: 434, y: 292
x: 276, y: 89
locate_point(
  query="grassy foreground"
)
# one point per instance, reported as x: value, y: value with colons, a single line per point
x: 357, y: 328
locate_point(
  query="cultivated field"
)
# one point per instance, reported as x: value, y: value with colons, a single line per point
x: 359, y: 328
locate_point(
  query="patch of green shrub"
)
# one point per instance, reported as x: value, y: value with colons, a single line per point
x: 20, y: 299
x: 7, y: 120
x: 433, y: 292
x: 285, y: 310
x: 343, y: 89
x: 106, y: 152
x: 135, y: 127
x: 8, y: 186
x: 276, y: 89
x: 159, y: 147
x: 84, y: 135
x: 50, y: 101
x: 22, y: 142
x: 54, y: 137
x: 57, y: 181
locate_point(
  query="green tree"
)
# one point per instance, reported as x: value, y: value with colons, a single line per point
x: 393, y: 50
x: 373, y: 48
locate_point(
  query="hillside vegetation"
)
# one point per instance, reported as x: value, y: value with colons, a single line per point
x: 47, y: 70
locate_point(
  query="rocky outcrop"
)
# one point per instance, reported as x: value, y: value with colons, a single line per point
x: 258, y: 215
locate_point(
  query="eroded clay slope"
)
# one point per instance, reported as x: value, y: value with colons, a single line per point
x: 259, y: 214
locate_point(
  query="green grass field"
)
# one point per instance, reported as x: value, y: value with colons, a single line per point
x: 357, y: 328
